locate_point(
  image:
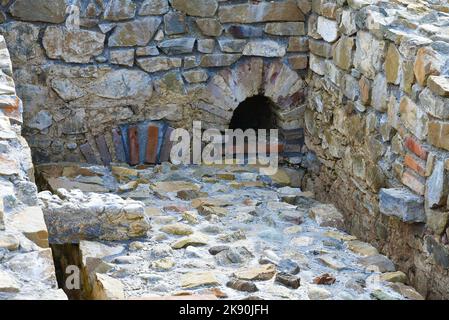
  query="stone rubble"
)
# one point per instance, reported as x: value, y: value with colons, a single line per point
x: 249, y: 251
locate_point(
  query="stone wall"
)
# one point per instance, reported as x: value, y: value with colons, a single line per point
x: 26, y: 262
x: 378, y: 121
x: 134, y: 60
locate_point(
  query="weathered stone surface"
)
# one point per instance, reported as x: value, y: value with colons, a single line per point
x: 288, y: 280
x: 107, y: 288
x: 439, y: 85
x: 298, y: 44
x: 134, y: 33
x: 177, y: 229
x: 232, y: 46
x: 244, y: 31
x: 8, y: 283
x: 397, y: 276
x: 261, y: 12
x: 343, y: 54
x: 393, y: 64
x: 362, y: 248
x: 317, y: 64
x: 403, y: 204
x: 122, y: 57
x: 439, y: 133
x: 285, y: 28
x: 159, y: 63
x: 198, y: 279
x: 327, y: 29
x: 241, y: 285
x: 9, y: 241
x: 74, y: 216
x: 177, y: 46
x: 434, y: 104
x: 219, y: 60
x: 175, y: 23
x: 147, y: 51
x: 413, y: 117
x: 298, y: 62
x: 52, y: 11
x: 428, y: 62
x: 380, y: 262
x: 154, y: 7
x: 437, y: 186
x: 327, y: 216
x: 369, y: 54
x: 192, y: 240
x: 195, y: 76
x: 123, y: 84
x: 31, y: 223
x: 261, y: 273
x: 264, y: 48
x: 199, y: 8
x: 209, y: 26
x: 119, y: 10
x: 78, y: 46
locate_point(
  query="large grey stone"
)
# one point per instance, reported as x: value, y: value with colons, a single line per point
x: 134, y: 33
x: 120, y: 10
x: 78, y: 46
x: 156, y: 64
x: 123, y: 84
x: 264, y: 48
x: 403, y: 204
x: 437, y: 186
x: 199, y: 8
x: 177, y: 46
x: 74, y: 216
x: 52, y: 11
x: 154, y: 7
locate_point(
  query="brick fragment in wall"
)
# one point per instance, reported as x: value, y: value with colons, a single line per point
x: 152, y: 144
x: 103, y: 150
x: 133, y: 145
x: 118, y: 145
x: 88, y: 153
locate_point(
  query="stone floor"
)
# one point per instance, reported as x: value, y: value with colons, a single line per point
x: 222, y: 232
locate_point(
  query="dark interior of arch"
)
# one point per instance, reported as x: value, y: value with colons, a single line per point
x: 254, y: 113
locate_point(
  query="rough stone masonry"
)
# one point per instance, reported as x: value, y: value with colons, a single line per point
x: 368, y: 80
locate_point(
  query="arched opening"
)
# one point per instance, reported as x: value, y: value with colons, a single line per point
x: 254, y: 113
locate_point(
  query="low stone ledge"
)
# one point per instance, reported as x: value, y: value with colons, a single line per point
x: 74, y: 216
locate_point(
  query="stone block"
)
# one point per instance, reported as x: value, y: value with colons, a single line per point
x: 175, y: 23
x: 197, y: 8
x: 243, y: 31
x: 261, y: 12
x: 31, y: 223
x: 177, y: 46
x: 298, y: 44
x: 285, y: 28
x: 433, y: 104
x: 327, y: 29
x: 439, y: 85
x: 209, y: 26
x: 134, y: 33
x: 152, y: 145
x: 439, y: 134
x: 437, y: 186
x: 52, y: 11
x: 403, y: 204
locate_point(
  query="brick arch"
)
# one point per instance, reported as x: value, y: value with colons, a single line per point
x: 254, y: 76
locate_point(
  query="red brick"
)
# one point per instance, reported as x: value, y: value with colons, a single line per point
x: 415, y: 147
x: 416, y: 164
x: 133, y: 146
x: 152, y: 144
